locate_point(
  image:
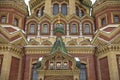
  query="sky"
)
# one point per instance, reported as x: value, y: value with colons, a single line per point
x: 26, y: 1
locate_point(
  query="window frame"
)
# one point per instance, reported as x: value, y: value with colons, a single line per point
x: 72, y: 32
x: 118, y: 17
x: 57, y: 5
x: 5, y: 19
x: 30, y: 29
x: 103, y: 21
x: 48, y: 30
x: 86, y: 32
x: 62, y: 11
x: 17, y: 21
x: 90, y: 26
x: 79, y: 11
x: 81, y: 73
x: 40, y: 11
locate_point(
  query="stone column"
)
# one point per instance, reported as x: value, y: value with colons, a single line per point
x: 71, y: 7
x: 68, y: 30
x: 80, y: 25
x: 38, y: 31
x: 113, y: 69
x: 6, y: 65
x: 26, y: 28
x: 48, y: 7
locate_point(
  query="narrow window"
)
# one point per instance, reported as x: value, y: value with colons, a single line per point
x: 81, y: 13
x: 116, y: 18
x: 65, y: 65
x: 3, y: 20
x: 51, y: 65
x: 45, y: 29
x: 32, y: 28
x: 55, y: 9
x: 15, y: 22
x: 87, y: 29
x: 42, y: 11
x: 77, y: 11
x: 58, y: 65
x: 83, y: 72
x: 38, y: 14
x: 74, y: 29
x: 64, y: 9
x: 103, y: 22
x: 34, y: 72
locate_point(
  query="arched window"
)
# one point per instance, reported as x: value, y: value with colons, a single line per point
x: 116, y: 18
x: 87, y: 29
x: 103, y: 22
x: 58, y: 65
x: 74, y: 29
x: 55, y: 9
x: 38, y: 14
x: 83, y: 72
x: 32, y: 29
x: 81, y: 13
x: 42, y: 11
x: 51, y: 65
x: 45, y: 29
x: 15, y: 22
x: 65, y: 65
x: 3, y: 19
x: 64, y: 9
x: 77, y: 11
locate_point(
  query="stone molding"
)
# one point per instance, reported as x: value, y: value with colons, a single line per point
x: 12, y: 49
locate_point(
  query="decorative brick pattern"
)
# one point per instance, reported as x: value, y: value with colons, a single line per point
x: 14, y: 69
x: 104, y: 69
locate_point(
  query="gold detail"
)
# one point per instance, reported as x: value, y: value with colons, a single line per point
x: 58, y: 20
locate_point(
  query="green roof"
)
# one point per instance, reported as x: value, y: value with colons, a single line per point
x: 59, y: 44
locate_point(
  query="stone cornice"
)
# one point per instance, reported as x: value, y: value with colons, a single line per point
x: 107, y: 4
x: 71, y: 49
x: 18, y: 6
x: 12, y: 49
x: 58, y: 72
x: 107, y: 48
x: 34, y: 3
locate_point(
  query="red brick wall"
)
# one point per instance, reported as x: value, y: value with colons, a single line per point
x: 14, y: 69
x: 1, y: 60
x: 104, y: 69
x: 118, y: 61
x: 27, y: 70
x: 89, y: 59
x: 83, y: 57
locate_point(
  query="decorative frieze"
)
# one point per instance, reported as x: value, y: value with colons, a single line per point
x: 107, y: 48
x: 12, y: 49
x: 71, y: 50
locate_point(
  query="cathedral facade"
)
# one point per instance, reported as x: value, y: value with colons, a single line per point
x: 60, y: 40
